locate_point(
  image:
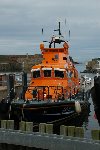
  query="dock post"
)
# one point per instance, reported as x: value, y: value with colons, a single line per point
x: 63, y: 130
x: 49, y: 128
x: 71, y: 131
x: 24, y: 84
x: 42, y: 127
x: 22, y: 126
x: 29, y: 126
x: 79, y: 132
x: 4, y: 124
x: 10, y: 86
x: 83, y: 94
x: 95, y: 134
x: 10, y: 124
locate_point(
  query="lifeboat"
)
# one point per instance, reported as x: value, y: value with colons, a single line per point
x: 53, y: 84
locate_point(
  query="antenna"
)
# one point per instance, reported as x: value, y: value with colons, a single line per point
x: 42, y: 31
x: 66, y: 31
x: 69, y: 35
x: 58, y: 29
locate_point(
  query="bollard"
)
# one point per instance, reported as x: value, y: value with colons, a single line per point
x: 63, y: 130
x: 79, y: 132
x: 29, y: 126
x: 22, y: 126
x: 4, y: 124
x: 71, y: 131
x: 49, y: 128
x: 42, y: 127
x: 95, y: 134
x: 10, y: 124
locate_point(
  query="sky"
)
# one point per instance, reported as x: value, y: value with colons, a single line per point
x: 21, y: 23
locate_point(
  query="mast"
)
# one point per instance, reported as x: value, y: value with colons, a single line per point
x: 59, y: 29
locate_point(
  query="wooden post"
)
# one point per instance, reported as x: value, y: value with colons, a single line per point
x: 95, y: 134
x: 79, y: 132
x: 24, y: 83
x: 49, y: 128
x: 10, y: 124
x: 10, y: 86
x: 29, y: 126
x: 4, y: 124
x: 71, y: 131
x: 63, y: 130
x: 42, y: 127
x: 22, y: 126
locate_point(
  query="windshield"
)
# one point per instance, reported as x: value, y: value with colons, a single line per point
x: 59, y: 73
x: 47, y: 73
x: 36, y: 74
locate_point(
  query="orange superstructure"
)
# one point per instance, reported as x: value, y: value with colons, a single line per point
x: 56, y: 78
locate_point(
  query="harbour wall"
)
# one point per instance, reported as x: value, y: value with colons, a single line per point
x: 70, y: 137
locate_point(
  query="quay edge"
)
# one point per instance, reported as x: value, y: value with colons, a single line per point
x: 45, y: 139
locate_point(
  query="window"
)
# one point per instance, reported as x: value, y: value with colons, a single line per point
x: 64, y: 58
x: 36, y: 74
x: 47, y: 73
x: 59, y: 73
x: 56, y: 56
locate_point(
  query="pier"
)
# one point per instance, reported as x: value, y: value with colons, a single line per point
x: 70, y: 137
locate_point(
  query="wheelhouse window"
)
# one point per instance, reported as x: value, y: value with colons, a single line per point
x: 35, y: 73
x: 59, y: 73
x: 47, y: 72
